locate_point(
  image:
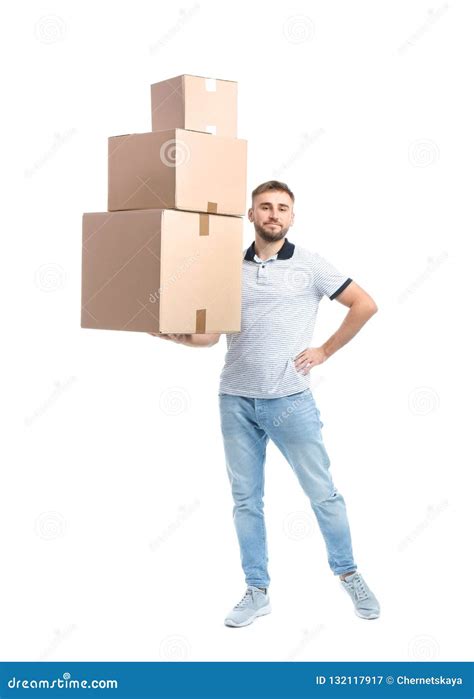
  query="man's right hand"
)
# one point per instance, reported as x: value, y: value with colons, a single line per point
x: 191, y: 340
x: 179, y: 338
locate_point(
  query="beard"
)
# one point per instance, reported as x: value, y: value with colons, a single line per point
x: 269, y: 235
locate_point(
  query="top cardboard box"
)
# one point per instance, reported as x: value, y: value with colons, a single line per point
x: 195, y: 103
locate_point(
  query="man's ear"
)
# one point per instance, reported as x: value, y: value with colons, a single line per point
x: 250, y: 215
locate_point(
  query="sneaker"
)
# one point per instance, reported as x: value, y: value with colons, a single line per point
x: 365, y: 602
x: 253, y: 604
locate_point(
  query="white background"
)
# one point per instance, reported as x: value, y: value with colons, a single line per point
x: 116, y: 515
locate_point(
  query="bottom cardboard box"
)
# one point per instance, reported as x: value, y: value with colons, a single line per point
x: 161, y: 270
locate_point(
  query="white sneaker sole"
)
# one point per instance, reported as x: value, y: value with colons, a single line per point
x: 261, y: 612
x: 374, y: 615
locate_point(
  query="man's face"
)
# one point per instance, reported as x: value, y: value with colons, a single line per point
x: 272, y: 215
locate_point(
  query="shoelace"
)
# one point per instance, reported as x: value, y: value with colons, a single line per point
x: 244, y: 600
x: 359, y: 587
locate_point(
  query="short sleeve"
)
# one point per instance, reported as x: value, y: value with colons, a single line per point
x: 328, y: 280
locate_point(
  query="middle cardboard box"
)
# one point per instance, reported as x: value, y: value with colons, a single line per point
x: 178, y: 169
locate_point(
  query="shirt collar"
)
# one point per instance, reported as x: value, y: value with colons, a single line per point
x: 285, y: 252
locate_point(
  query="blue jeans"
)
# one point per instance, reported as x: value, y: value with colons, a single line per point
x: 293, y: 424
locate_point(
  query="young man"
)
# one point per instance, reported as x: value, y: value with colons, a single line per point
x: 264, y: 394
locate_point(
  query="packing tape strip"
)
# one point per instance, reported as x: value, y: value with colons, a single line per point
x: 203, y: 224
x: 211, y: 84
x: 212, y: 207
x: 201, y: 320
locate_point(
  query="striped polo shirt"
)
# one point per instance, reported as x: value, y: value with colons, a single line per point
x: 280, y: 299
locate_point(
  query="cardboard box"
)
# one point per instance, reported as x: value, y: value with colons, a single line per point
x: 178, y: 169
x: 162, y: 271
x: 195, y: 103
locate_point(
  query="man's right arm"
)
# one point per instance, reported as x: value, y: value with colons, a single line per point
x: 191, y: 340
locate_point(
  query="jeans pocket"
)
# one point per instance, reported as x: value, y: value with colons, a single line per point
x: 311, y: 398
x: 321, y: 423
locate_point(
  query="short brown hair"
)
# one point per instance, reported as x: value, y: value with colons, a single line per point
x: 273, y: 185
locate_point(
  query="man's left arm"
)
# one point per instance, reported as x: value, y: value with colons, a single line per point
x: 361, y: 308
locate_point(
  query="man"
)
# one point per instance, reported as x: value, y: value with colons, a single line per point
x: 264, y: 394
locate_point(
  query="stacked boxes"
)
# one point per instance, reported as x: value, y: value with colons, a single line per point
x: 167, y: 255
